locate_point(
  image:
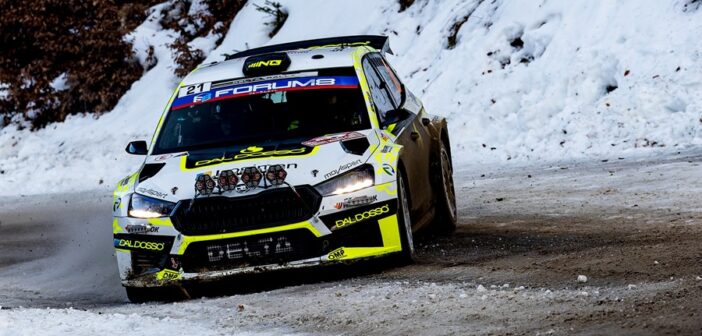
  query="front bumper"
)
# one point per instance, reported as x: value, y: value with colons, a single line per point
x: 163, y: 256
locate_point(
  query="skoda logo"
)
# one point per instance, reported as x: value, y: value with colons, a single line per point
x: 252, y: 149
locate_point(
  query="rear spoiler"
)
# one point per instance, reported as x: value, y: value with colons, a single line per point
x: 375, y: 41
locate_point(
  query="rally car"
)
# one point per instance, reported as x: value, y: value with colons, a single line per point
x: 293, y: 155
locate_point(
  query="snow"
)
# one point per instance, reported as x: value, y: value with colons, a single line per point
x: 70, y: 321
x: 77, y: 269
x: 525, y: 82
x: 59, y: 83
x: 378, y: 303
x: 49, y: 322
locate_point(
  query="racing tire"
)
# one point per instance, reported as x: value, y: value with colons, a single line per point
x: 446, y: 212
x: 404, y: 221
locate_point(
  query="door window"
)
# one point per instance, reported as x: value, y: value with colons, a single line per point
x: 379, y: 94
x: 394, y: 87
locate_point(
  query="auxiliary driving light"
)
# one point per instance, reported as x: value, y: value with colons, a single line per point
x: 251, y: 177
x: 204, y: 184
x: 276, y: 175
x: 227, y: 180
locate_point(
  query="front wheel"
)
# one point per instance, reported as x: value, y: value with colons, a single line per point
x: 446, y: 214
x: 404, y: 221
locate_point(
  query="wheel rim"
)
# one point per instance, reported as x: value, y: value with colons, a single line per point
x: 447, y: 177
x: 406, y: 220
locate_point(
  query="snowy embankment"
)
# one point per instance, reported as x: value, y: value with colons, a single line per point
x: 519, y: 81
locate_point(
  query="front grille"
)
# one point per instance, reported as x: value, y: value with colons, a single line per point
x: 214, y: 215
x: 142, y: 262
x: 266, y: 249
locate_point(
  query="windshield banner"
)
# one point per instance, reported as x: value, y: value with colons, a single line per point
x: 279, y: 85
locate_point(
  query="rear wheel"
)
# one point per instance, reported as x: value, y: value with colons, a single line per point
x: 404, y: 220
x: 446, y: 213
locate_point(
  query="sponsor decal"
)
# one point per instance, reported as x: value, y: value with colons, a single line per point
x: 276, y: 85
x: 336, y: 254
x: 386, y: 149
x: 388, y: 169
x: 327, y: 139
x: 197, y: 161
x: 360, y: 200
x: 136, y: 242
x: 202, y: 98
x: 356, y: 201
x: 141, y: 228
x: 264, y: 78
x: 249, y: 249
x: 194, y: 89
x: 163, y: 157
x: 315, y: 172
x: 252, y: 149
x: 139, y: 245
x: 174, y: 190
x: 152, y: 192
x: 359, y: 213
x: 118, y: 202
x: 168, y: 275
x: 265, y: 63
x: 362, y: 216
x: 342, y: 168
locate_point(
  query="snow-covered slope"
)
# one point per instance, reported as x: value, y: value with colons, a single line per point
x: 525, y: 80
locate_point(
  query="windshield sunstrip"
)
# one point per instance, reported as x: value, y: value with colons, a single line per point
x: 280, y: 85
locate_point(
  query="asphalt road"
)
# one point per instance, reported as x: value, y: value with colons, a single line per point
x: 633, y: 228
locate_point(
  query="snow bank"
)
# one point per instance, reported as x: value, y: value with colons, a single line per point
x: 524, y: 81
x: 50, y: 322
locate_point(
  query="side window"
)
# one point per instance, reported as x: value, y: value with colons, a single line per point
x: 382, y: 101
x: 394, y: 86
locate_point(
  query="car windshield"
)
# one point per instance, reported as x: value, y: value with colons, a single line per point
x: 283, y: 112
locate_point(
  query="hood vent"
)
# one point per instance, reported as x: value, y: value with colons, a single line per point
x: 355, y: 146
x: 149, y: 170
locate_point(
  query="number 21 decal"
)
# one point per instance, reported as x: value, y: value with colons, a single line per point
x: 193, y: 89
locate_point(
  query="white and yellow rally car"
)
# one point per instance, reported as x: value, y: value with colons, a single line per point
x: 284, y: 156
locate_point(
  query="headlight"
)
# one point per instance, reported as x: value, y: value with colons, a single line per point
x: 147, y: 207
x: 357, y: 179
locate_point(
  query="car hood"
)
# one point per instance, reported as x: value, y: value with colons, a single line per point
x: 307, y: 163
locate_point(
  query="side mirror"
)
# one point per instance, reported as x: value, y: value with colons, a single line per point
x: 137, y: 148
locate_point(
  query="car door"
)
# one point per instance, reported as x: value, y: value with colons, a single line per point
x: 386, y: 93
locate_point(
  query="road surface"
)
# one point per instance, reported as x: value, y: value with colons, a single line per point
x: 609, y: 247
